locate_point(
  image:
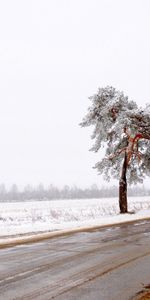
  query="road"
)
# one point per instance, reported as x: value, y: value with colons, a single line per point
x: 105, y: 264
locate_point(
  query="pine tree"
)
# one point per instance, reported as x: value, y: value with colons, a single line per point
x: 123, y: 130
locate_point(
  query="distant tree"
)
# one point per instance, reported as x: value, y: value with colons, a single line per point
x: 65, y: 192
x: 28, y: 192
x: 53, y: 192
x: 13, y: 192
x: 40, y: 191
x: 3, y: 191
x: 123, y: 130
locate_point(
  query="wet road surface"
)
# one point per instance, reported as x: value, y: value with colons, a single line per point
x: 106, y: 264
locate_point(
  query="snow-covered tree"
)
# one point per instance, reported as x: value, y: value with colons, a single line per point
x: 123, y: 130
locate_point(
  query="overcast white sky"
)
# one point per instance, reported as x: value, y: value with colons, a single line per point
x: 53, y: 55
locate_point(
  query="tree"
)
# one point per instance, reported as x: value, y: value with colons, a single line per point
x: 3, y: 192
x: 28, y: 192
x: 13, y: 192
x: 123, y: 130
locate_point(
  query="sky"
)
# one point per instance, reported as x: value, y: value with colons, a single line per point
x: 54, y: 54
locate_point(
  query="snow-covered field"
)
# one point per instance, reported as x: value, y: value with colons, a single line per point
x: 35, y: 216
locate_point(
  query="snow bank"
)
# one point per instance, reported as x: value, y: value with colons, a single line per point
x: 35, y: 216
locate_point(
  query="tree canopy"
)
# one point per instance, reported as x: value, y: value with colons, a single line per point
x: 120, y: 126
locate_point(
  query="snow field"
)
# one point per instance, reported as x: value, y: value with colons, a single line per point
x: 36, y: 216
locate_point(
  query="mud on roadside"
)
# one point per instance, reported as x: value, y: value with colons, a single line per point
x: 144, y: 294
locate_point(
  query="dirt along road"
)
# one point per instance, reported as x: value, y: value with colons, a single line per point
x: 105, y: 264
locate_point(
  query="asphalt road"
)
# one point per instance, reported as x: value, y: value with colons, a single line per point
x: 107, y: 264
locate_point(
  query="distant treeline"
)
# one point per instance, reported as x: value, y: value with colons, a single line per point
x: 52, y: 193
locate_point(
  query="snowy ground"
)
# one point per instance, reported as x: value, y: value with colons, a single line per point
x: 29, y: 217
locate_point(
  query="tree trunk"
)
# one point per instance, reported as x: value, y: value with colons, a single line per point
x: 123, y: 188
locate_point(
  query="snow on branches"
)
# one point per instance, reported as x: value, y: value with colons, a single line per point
x: 123, y: 129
